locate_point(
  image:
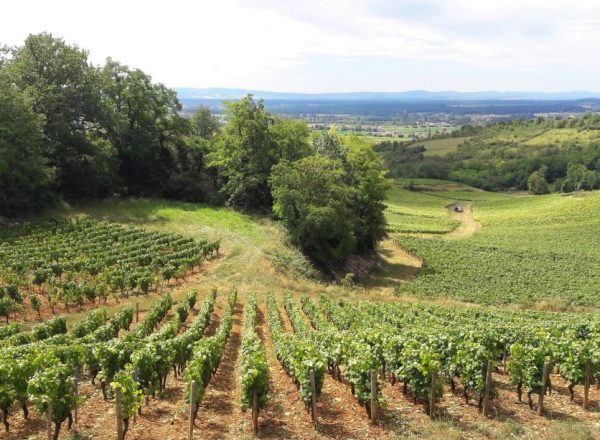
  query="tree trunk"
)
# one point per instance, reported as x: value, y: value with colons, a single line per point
x: 103, y: 387
x: 5, y: 419
x: 571, y: 393
x: 529, y: 401
x: 56, y: 430
x: 25, y: 410
x: 520, y: 391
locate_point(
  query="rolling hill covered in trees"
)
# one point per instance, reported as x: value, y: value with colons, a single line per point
x: 542, y: 155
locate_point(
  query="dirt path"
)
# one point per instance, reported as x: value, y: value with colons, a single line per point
x: 396, y: 266
x: 220, y: 414
x: 468, y: 225
x: 284, y: 416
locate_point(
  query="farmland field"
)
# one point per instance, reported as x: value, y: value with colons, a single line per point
x: 438, y: 147
x: 255, y: 320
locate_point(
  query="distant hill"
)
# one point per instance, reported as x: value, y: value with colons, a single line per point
x: 383, y: 104
x: 502, y: 156
x: 411, y: 95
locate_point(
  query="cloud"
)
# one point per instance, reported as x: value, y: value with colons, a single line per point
x: 261, y: 43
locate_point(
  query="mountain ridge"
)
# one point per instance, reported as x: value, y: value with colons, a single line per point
x: 216, y: 93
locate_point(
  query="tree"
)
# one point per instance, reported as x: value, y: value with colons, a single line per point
x: 25, y: 177
x: 537, y: 183
x: 63, y: 87
x: 328, y: 144
x: 579, y: 178
x: 367, y: 178
x: 312, y: 199
x: 251, y: 143
x: 204, y: 124
x: 245, y: 155
x: 143, y: 123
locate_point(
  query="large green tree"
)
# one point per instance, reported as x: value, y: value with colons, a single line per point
x: 204, y: 124
x: 312, y: 199
x: 367, y: 176
x: 332, y: 202
x: 24, y: 176
x: 252, y: 142
x: 142, y: 121
x: 63, y: 87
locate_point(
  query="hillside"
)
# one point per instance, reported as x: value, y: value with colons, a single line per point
x: 503, y: 156
x: 535, y: 251
x: 454, y: 259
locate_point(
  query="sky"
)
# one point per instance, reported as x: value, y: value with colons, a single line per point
x: 331, y: 45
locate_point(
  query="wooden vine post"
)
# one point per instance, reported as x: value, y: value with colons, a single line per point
x: 545, y: 374
x: 373, y: 397
x: 137, y: 312
x: 254, y: 413
x: 586, y: 383
x: 119, y: 411
x: 49, y: 420
x: 432, y: 394
x: 488, y: 389
x: 313, y: 393
x: 192, y: 412
x: 76, y: 380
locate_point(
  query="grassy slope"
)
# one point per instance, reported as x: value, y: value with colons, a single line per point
x: 409, y: 211
x: 440, y: 147
x: 256, y: 254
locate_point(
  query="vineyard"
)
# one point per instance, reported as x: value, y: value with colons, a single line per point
x: 263, y: 354
x: 530, y: 250
x: 374, y: 353
x: 57, y: 265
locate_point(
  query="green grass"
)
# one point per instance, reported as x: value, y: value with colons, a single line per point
x: 421, y: 181
x: 246, y: 240
x: 440, y: 147
x: 414, y: 212
x: 561, y: 135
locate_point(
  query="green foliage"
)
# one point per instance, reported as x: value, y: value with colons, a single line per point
x: 536, y: 184
x: 207, y: 353
x: 24, y: 174
x: 204, y: 124
x: 53, y: 386
x: 190, y: 298
x: 532, y: 238
x: 296, y: 353
x: 251, y: 143
x: 312, y: 199
x: 332, y: 204
x: 130, y: 389
x: 87, y: 131
x: 64, y: 88
x: 254, y: 369
x: 69, y: 261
